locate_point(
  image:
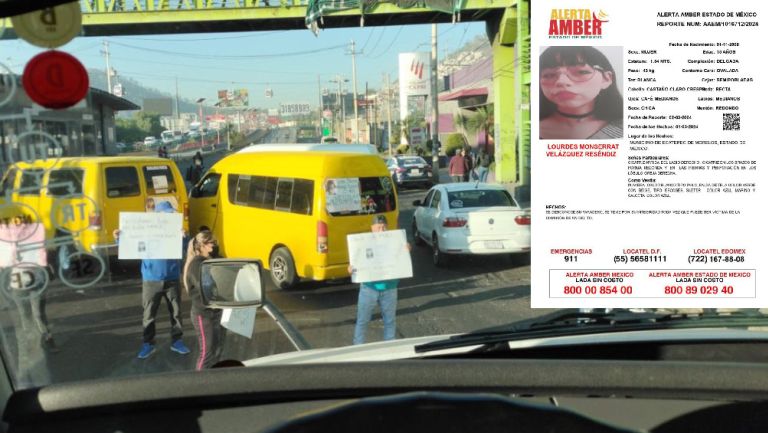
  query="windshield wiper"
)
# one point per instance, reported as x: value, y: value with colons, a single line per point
x: 595, y: 321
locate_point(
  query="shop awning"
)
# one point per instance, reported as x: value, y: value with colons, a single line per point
x: 464, y: 93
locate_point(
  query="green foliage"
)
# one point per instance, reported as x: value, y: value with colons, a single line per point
x: 127, y: 131
x: 482, y: 120
x: 452, y: 142
x: 403, y: 149
x: 428, y: 145
x: 149, y: 122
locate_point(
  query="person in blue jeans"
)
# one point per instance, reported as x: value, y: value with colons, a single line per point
x: 160, y: 280
x: 383, y: 293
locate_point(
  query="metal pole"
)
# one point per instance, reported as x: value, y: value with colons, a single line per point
x: 435, y: 114
x: 109, y: 69
x: 356, y: 134
x: 389, y: 117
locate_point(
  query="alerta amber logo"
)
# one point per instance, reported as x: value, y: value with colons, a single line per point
x: 576, y: 24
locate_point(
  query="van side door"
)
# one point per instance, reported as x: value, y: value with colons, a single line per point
x: 204, y: 205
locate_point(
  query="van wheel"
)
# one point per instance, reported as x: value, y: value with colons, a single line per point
x: 282, y: 268
x: 416, y: 238
x: 439, y: 258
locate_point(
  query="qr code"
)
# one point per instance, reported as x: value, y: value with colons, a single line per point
x: 731, y: 121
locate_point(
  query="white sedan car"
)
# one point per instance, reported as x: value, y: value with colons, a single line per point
x: 471, y: 218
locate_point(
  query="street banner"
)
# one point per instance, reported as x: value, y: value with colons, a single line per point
x: 150, y: 235
x: 378, y: 256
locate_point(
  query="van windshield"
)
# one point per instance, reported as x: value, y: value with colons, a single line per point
x: 375, y: 194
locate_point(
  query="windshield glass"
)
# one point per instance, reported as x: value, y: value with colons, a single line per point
x: 108, y: 196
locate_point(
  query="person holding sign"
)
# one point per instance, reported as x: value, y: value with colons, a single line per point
x: 160, y: 280
x: 383, y: 293
x: 207, y: 321
x: 579, y: 95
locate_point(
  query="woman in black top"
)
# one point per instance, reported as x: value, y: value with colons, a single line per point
x: 207, y: 321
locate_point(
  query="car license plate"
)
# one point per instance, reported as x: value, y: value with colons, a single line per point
x: 415, y: 171
x: 494, y: 245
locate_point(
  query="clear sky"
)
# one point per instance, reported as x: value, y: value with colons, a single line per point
x: 288, y: 62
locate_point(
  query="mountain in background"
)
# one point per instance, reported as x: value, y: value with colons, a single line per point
x: 135, y: 92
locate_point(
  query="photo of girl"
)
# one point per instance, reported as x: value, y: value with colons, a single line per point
x: 578, y: 93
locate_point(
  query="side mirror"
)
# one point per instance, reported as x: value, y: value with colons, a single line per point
x: 232, y: 283
x: 417, y: 203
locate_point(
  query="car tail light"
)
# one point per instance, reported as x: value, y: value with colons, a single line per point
x: 454, y: 222
x: 523, y: 220
x: 94, y: 220
x: 322, y: 237
x: 400, y: 170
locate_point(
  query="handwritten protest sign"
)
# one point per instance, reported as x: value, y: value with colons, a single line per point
x: 150, y: 235
x: 379, y: 256
x: 342, y: 194
x: 239, y: 320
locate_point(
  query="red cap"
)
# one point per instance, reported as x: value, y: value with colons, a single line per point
x: 55, y: 79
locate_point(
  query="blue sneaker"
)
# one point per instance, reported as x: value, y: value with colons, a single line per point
x: 146, y: 350
x: 179, y: 347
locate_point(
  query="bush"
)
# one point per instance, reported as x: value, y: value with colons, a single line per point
x: 403, y: 149
x: 452, y: 143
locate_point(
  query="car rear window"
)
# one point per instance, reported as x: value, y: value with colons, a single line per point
x: 376, y: 195
x: 122, y: 182
x: 159, y: 179
x: 479, y: 198
x: 412, y: 161
x: 66, y: 181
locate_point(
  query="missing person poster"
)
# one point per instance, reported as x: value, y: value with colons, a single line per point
x: 150, y: 235
x: 649, y: 150
x: 379, y: 256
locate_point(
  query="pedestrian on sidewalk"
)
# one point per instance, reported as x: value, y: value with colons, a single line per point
x: 469, y: 166
x: 207, y: 321
x: 160, y: 280
x: 483, y: 165
x: 456, y: 167
x: 198, y: 159
x: 383, y: 293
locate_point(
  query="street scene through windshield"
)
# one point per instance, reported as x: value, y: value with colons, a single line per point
x: 130, y: 157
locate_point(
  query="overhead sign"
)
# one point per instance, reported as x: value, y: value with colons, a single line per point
x: 414, y: 78
x: 295, y: 109
x: 233, y: 98
x: 55, y: 79
x: 161, y: 106
x: 49, y: 27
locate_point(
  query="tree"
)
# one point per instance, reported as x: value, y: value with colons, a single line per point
x: 452, y: 142
x: 482, y: 120
x: 127, y: 131
x: 460, y: 122
x: 149, y: 123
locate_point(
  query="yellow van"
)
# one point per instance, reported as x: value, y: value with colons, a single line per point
x: 292, y: 206
x: 83, y: 196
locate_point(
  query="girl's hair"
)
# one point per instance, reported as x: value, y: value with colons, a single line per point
x: 608, y: 104
x: 193, y: 250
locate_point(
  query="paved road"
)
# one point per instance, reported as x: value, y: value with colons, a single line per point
x: 98, y: 329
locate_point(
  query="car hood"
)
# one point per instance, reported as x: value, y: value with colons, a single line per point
x: 406, y: 348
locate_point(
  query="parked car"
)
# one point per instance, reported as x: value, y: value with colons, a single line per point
x: 410, y: 170
x: 471, y: 218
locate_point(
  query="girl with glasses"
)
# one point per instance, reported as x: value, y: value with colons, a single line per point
x: 578, y: 94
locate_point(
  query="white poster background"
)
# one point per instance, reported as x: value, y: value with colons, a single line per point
x: 150, y: 235
x: 239, y: 320
x: 657, y: 62
x: 342, y: 194
x: 379, y: 256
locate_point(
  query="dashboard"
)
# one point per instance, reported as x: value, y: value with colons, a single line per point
x: 440, y: 395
